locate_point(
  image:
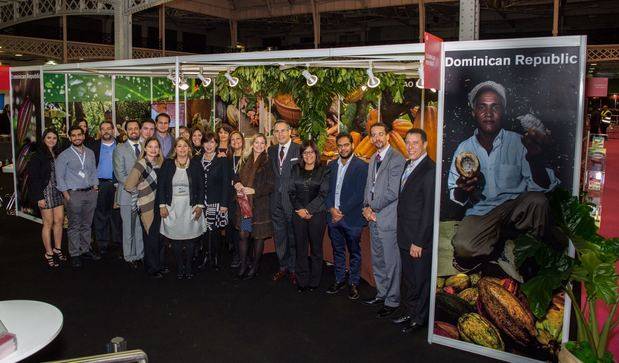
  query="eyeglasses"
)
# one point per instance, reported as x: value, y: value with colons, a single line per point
x: 309, y: 152
x: 339, y: 146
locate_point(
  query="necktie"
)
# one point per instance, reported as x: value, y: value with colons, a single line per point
x: 137, y: 150
x: 282, y: 154
x: 407, y: 173
x: 379, y: 160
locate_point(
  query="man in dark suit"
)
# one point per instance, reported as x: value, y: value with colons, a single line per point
x: 415, y: 230
x: 283, y: 157
x: 106, y: 221
x: 344, y: 202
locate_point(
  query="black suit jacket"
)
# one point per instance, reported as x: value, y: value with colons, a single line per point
x: 416, y: 206
x: 39, y: 172
x: 351, y: 195
x: 195, y: 175
x: 282, y: 180
x: 217, y: 181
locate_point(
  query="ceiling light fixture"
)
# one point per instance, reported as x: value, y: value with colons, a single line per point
x: 18, y: 54
x: 182, y: 83
x: 205, y: 81
x: 51, y: 62
x: 232, y: 81
x: 373, y: 81
x: 311, y: 79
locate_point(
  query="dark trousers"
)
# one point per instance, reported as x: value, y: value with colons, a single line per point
x: 344, y: 236
x: 153, y: 246
x: 183, y: 261
x: 80, y: 211
x: 416, y: 280
x: 232, y: 234
x: 106, y: 221
x: 309, y: 233
x: 283, y: 234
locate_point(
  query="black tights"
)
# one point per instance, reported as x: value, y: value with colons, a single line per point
x: 212, y: 246
x: 244, y: 250
x: 183, y: 262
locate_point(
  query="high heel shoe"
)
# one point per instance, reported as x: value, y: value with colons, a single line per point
x: 50, y: 260
x: 58, y: 253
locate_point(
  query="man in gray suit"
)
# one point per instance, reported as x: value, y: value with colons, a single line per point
x: 124, y: 157
x: 380, y: 209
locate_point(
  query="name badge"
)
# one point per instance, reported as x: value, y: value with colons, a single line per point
x: 81, y: 174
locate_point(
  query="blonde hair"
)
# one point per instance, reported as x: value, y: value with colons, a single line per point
x: 179, y: 139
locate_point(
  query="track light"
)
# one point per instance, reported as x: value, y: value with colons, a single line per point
x: 310, y: 78
x: 205, y: 81
x: 419, y: 83
x: 232, y: 81
x: 182, y: 83
x: 373, y: 81
x: 170, y: 76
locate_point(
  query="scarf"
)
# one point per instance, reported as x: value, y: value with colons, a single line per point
x: 147, y: 186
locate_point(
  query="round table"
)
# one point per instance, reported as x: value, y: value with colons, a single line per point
x: 34, y: 323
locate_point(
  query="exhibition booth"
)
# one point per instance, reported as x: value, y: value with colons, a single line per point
x: 323, y: 92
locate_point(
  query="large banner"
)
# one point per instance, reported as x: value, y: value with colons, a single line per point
x: 511, y: 121
x: 26, y: 115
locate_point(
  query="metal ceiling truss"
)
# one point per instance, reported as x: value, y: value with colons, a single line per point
x: 20, y: 11
x: 603, y: 53
x: 77, y: 51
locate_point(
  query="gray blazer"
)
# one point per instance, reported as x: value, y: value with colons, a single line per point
x: 123, y: 159
x: 384, y: 201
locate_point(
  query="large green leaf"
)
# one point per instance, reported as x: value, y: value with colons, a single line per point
x: 540, y: 289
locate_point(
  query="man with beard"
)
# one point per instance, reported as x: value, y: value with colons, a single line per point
x: 162, y: 121
x: 380, y: 210
x: 76, y: 178
x: 345, y: 221
x: 125, y: 156
x: 506, y: 193
x: 106, y: 222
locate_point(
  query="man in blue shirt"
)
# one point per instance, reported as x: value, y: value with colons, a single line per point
x: 76, y: 178
x: 106, y: 222
x: 507, y: 192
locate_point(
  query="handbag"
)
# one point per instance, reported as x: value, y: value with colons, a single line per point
x: 244, y: 205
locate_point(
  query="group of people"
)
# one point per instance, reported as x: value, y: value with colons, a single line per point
x: 191, y: 191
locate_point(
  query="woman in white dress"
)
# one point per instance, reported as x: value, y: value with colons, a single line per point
x: 181, y: 201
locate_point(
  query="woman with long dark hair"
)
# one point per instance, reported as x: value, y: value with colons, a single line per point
x: 43, y: 191
x: 180, y: 193
x: 309, y: 185
x: 216, y: 186
x: 254, y: 183
x: 237, y: 147
x: 142, y: 179
x: 196, y: 141
x: 223, y: 133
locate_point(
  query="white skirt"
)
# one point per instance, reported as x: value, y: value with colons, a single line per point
x: 179, y: 224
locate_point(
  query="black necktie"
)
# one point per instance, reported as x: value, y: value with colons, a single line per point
x: 137, y: 150
x: 378, y: 161
x: 281, y: 157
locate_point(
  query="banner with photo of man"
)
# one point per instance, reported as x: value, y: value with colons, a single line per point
x: 511, y: 132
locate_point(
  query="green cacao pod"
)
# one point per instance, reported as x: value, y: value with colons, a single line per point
x: 474, y: 328
x: 459, y: 282
x: 469, y: 295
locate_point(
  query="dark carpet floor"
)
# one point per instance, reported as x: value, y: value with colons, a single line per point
x: 210, y: 318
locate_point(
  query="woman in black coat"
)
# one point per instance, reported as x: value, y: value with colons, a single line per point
x: 237, y: 146
x: 180, y: 192
x: 309, y: 186
x: 217, y: 192
x: 43, y: 192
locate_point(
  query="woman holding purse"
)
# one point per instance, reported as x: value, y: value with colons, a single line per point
x: 181, y: 196
x: 254, y: 183
x: 142, y: 179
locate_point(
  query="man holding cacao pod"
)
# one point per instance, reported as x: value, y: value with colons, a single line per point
x: 380, y: 210
x: 501, y: 181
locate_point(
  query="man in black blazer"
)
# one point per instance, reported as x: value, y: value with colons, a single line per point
x: 283, y: 157
x: 106, y: 222
x: 344, y: 203
x: 415, y: 230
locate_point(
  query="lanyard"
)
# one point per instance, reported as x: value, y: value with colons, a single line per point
x: 82, y: 158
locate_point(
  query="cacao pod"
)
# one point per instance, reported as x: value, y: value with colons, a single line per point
x: 446, y: 330
x: 365, y: 149
x: 475, y: 278
x: 440, y: 282
x: 506, y: 312
x: 356, y: 138
x: 372, y: 119
x: 449, y: 290
x: 469, y: 295
x: 401, y: 126
x: 450, y: 307
x: 459, y: 281
x: 396, y: 141
x: 476, y: 329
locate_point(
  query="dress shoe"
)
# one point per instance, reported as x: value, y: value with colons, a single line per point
x: 385, y: 311
x: 301, y: 289
x: 336, y: 287
x: 373, y: 301
x: 91, y: 256
x: 312, y: 288
x: 353, y: 292
x: 133, y: 264
x: 293, y: 278
x: 279, y: 275
x: 402, y: 319
x: 180, y: 276
x: 76, y: 262
x: 164, y: 270
x: 250, y: 276
x: 156, y: 276
x: 411, y: 327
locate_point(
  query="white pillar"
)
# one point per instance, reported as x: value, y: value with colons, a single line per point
x: 122, y: 32
x: 469, y: 20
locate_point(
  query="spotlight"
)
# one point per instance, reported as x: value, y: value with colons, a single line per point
x: 419, y: 82
x: 50, y: 62
x: 170, y: 76
x: 232, y: 81
x: 310, y: 78
x: 373, y: 81
x: 182, y: 83
x: 205, y: 81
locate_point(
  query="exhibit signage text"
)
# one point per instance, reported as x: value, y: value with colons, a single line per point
x: 518, y: 60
